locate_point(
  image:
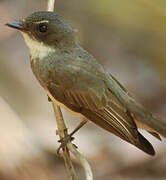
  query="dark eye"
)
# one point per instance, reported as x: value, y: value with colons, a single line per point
x: 43, y: 28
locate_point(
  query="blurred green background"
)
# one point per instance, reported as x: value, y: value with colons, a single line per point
x: 129, y: 39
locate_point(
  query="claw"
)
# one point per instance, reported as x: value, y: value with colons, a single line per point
x: 64, y: 142
x: 69, y: 138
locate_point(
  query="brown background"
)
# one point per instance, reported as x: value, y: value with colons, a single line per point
x: 129, y: 39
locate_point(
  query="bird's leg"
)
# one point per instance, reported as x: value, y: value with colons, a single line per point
x: 82, y: 123
x: 69, y: 138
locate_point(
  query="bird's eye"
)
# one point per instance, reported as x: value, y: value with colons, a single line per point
x: 43, y: 28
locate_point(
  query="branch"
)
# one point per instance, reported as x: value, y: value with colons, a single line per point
x: 83, y: 161
x: 62, y: 132
x: 50, y: 5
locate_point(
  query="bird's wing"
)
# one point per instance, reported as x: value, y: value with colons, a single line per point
x: 139, y: 123
x: 94, y: 100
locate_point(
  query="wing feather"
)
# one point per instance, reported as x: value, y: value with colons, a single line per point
x: 93, y: 99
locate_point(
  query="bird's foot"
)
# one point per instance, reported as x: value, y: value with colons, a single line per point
x: 69, y: 137
x: 64, y: 142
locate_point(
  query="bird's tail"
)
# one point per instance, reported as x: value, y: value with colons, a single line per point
x: 137, y: 110
x: 145, y: 117
x: 145, y: 145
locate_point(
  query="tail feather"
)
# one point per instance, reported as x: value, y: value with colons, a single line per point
x: 145, y: 117
x: 145, y: 145
x: 132, y: 135
x: 154, y: 134
x: 135, y: 108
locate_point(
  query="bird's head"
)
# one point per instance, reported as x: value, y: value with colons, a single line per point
x: 47, y: 29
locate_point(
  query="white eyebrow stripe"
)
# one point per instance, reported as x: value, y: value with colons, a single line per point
x: 43, y: 21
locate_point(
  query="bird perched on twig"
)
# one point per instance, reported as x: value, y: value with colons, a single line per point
x: 74, y: 79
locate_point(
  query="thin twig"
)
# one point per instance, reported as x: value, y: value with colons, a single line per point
x: 50, y: 5
x: 83, y: 161
x: 62, y: 132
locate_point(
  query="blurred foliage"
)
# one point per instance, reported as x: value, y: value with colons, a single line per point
x: 140, y: 16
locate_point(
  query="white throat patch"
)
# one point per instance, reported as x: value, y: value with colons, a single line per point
x: 37, y: 49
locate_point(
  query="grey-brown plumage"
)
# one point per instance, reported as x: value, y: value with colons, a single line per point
x: 74, y: 78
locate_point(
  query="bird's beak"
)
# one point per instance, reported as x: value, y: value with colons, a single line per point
x: 17, y: 25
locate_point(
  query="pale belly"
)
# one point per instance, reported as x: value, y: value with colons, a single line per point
x: 63, y: 106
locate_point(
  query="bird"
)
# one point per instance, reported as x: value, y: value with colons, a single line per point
x: 75, y: 80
